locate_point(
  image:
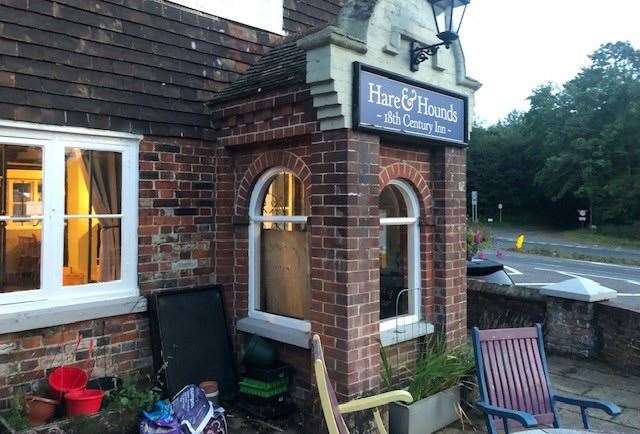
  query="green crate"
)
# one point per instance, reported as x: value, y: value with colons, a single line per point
x: 263, y: 389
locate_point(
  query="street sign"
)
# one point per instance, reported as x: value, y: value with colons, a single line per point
x: 499, y: 206
x: 582, y: 216
x: 474, y: 206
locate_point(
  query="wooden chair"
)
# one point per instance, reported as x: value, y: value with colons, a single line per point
x: 514, y: 381
x: 333, y: 411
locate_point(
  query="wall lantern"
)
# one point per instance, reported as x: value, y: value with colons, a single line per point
x: 448, y: 15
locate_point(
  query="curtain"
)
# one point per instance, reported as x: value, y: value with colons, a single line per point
x: 105, y: 170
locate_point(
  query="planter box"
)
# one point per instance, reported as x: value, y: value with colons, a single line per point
x: 427, y: 415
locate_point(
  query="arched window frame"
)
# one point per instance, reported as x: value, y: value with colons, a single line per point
x: 255, y: 230
x: 413, y: 255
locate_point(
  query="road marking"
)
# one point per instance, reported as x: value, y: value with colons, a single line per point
x: 576, y: 274
x: 533, y: 284
x: 628, y: 295
x: 512, y: 271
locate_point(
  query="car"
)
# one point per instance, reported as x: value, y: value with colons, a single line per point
x: 488, y: 271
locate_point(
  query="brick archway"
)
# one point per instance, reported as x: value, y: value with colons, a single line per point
x: 415, y: 178
x: 267, y: 160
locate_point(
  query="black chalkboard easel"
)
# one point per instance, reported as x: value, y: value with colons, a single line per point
x: 189, y: 334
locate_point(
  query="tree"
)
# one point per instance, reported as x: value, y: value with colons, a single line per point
x: 576, y: 146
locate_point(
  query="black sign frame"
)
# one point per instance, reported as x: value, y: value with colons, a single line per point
x: 356, y: 125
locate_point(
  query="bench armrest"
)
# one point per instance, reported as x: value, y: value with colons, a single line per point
x: 375, y: 401
x: 525, y: 419
x: 609, y: 407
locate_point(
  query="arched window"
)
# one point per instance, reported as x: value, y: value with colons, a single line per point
x: 279, y: 272
x: 399, y: 255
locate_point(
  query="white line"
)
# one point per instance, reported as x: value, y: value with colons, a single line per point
x: 533, y: 284
x: 512, y: 271
x: 628, y: 295
x: 576, y: 273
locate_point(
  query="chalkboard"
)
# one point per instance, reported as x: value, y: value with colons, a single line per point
x: 189, y: 335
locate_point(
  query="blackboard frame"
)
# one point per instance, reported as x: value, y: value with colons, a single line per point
x: 161, y: 348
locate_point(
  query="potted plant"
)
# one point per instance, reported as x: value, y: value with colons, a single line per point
x: 478, y: 238
x: 435, y: 384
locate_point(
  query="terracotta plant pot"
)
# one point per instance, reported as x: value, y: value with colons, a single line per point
x: 211, y: 390
x: 39, y: 410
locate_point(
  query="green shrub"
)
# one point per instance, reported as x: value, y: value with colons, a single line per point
x: 437, y: 369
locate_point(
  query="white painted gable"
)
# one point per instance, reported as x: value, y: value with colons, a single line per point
x: 379, y: 34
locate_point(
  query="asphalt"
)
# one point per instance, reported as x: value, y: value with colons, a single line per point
x: 554, y: 241
x: 534, y: 270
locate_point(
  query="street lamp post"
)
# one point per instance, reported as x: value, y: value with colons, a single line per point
x: 448, y: 15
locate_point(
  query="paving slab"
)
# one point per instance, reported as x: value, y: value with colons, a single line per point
x: 590, y: 379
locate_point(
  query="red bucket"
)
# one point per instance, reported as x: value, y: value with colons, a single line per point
x: 67, y: 379
x: 83, y: 402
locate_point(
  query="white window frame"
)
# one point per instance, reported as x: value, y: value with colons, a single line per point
x: 413, y: 256
x: 54, y: 140
x: 255, y: 229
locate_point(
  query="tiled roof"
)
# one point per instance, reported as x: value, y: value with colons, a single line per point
x: 282, y: 66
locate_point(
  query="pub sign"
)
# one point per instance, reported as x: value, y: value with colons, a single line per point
x: 389, y: 103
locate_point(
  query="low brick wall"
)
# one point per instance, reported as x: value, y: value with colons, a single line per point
x: 619, y: 331
x: 120, y: 346
x: 571, y: 328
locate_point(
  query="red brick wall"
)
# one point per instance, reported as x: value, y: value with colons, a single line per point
x: 343, y: 172
x: 120, y: 346
x: 175, y: 251
x: 450, y: 298
x: 176, y: 213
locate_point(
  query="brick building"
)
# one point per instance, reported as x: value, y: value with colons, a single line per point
x: 257, y: 167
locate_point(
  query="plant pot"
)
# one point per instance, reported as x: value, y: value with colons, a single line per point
x: 66, y: 379
x: 427, y: 415
x: 210, y: 390
x: 83, y: 402
x: 39, y: 410
x: 259, y: 353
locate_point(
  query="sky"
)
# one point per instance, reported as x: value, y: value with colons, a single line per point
x: 512, y: 46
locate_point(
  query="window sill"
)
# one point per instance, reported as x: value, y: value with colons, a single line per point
x: 275, y: 332
x: 50, y: 313
x: 405, y: 333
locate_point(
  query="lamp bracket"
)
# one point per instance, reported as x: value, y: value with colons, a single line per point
x: 419, y: 53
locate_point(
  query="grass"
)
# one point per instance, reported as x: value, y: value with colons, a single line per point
x: 614, y: 236
x: 578, y: 256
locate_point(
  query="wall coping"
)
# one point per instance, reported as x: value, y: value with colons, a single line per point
x: 41, y: 315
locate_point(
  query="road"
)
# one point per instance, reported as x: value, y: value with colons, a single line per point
x: 536, y: 271
x: 537, y: 238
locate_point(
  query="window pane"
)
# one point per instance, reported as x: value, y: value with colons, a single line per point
x: 20, y: 248
x: 103, y: 194
x: 285, y: 282
x: 20, y: 196
x: 284, y: 196
x: 92, y: 250
x: 393, y: 271
x: 21, y: 179
x: 392, y: 203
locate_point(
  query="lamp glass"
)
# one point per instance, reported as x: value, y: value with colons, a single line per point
x: 448, y: 15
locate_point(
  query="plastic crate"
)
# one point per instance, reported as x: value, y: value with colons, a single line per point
x: 263, y: 389
x: 267, y: 408
x: 268, y: 375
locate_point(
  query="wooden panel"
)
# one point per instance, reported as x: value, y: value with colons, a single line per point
x: 516, y: 333
x: 285, y: 273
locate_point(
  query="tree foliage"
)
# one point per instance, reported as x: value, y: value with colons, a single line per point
x: 578, y: 146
